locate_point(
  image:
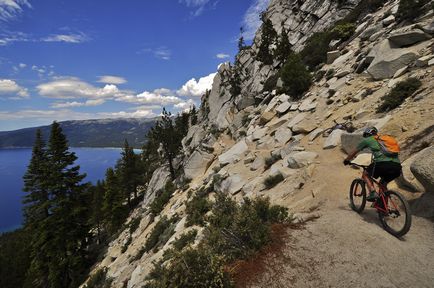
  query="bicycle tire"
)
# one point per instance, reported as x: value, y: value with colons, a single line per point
x: 397, y: 207
x: 358, y: 195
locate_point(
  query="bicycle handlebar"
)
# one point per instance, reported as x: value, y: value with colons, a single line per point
x: 358, y: 165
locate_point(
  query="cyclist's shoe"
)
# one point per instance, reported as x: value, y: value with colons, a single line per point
x: 372, y: 196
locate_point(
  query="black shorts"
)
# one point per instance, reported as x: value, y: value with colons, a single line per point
x: 386, y: 170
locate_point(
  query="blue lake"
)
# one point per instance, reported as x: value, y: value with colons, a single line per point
x: 13, y: 165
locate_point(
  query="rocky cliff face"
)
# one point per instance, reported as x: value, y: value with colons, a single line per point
x: 301, y: 19
x: 245, y: 143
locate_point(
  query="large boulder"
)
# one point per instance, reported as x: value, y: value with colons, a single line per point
x: 197, y: 164
x: 296, y: 120
x: 388, y: 59
x: 217, y: 100
x: 408, y: 36
x: 282, y: 135
x: 407, y: 179
x: 301, y: 159
x: 234, y: 153
x: 158, y: 180
x: 349, y: 141
x: 423, y: 168
x: 334, y: 139
x: 305, y: 127
x: 232, y: 184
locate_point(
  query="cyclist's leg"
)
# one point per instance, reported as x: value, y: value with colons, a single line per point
x: 367, y: 178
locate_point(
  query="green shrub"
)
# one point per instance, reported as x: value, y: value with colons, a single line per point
x: 161, y: 233
x: 134, y: 224
x: 398, y: 94
x: 236, y: 231
x: 410, y: 9
x: 196, y: 209
x: 139, y: 255
x: 271, y: 83
x: 184, y: 240
x: 272, y: 181
x: 316, y: 48
x: 162, y: 198
x: 296, y: 79
x: 125, y: 246
x: 192, y: 268
x: 269, y: 161
x: 330, y: 73
x: 343, y: 31
x: 99, y: 280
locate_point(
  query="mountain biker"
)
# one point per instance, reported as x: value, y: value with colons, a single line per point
x: 388, y: 167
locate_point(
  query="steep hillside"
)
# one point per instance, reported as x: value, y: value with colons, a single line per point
x: 86, y: 133
x: 244, y: 141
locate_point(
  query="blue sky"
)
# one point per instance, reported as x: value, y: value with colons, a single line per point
x: 64, y: 60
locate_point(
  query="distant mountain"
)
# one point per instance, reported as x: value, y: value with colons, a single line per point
x: 87, y: 133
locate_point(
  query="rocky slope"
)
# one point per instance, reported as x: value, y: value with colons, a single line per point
x: 236, y: 138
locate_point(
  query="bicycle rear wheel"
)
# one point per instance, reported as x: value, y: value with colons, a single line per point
x: 358, y: 195
x: 397, y: 219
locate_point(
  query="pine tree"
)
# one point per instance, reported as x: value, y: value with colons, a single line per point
x: 97, y: 193
x: 36, y: 214
x: 241, y: 44
x: 67, y: 226
x: 164, y: 132
x: 268, y: 38
x: 283, y: 48
x: 128, y: 172
x: 114, y: 210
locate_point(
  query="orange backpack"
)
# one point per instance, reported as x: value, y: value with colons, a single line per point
x: 389, y: 146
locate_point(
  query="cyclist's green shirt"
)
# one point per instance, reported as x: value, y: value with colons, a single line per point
x: 373, y: 145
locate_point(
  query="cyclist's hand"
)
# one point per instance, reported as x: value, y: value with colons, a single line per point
x: 347, y: 162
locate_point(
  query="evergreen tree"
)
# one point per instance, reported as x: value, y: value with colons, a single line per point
x: 283, y: 48
x: 36, y: 213
x: 268, y: 38
x: 114, y: 210
x: 241, y: 44
x: 127, y: 169
x: 66, y: 228
x: 296, y: 78
x: 97, y: 193
x: 164, y: 132
x: 193, y: 116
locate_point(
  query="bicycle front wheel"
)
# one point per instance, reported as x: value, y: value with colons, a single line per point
x: 397, y: 218
x: 358, y: 195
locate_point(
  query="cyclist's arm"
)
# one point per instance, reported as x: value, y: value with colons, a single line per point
x: 362, y: 145
x: 352, y: 155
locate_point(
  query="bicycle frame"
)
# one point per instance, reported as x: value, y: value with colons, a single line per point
x: 381, y: 189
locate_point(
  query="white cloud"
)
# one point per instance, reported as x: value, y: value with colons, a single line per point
x: 198, y: 6
x: 66, y: 114
x: 91, y: 102
x: 195, y: 88
x: 154, y: 97
x: 186, y: 105
x: 112, y: 79
x: 251, y: 21
x: 162, y: 52
x: 12, y: 90
x: 9, y: 9
x: 7, y: 37
x: 124, y: 114
x: 74, y: 88
x: 22, y: 65
x: 222, y: 56
x: 68, y: 38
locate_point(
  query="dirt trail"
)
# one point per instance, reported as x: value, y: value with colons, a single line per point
x: 343, y: 248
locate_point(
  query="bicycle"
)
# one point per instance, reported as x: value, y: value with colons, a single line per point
x: 393, y: 210
x: 346, y: 126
